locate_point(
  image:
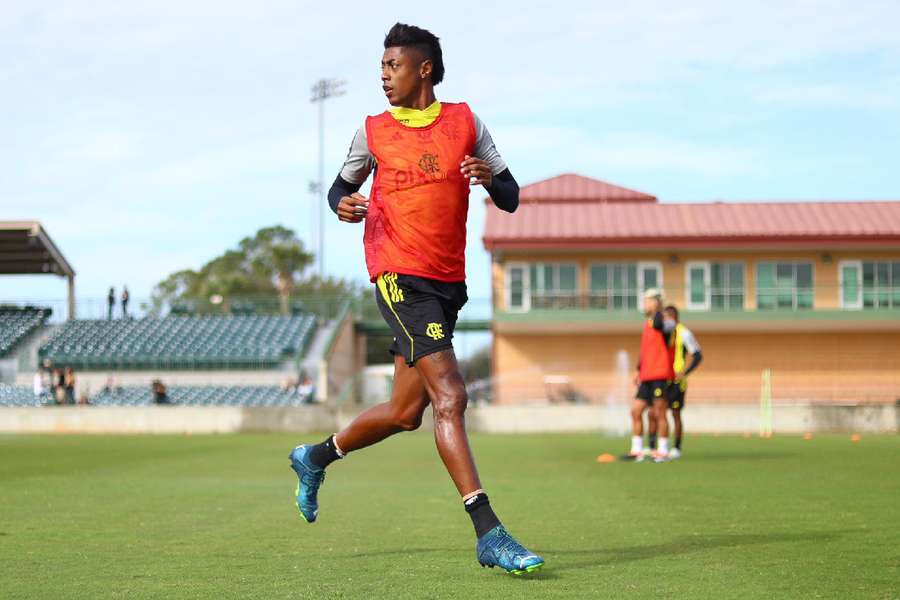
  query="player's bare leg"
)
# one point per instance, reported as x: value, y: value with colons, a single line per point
x: 637, y: 429
x: 447, y: 390
x: 445, y: 385
x: 658, y: 412
x: 676, y: 418
x: 403, y: 412
x: 652, y: 429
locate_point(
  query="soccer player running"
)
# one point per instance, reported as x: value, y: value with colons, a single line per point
x: 684, y: 344
x: 654, y: 371
x: 426, y: 154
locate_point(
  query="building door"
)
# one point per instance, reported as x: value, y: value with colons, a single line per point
x: 649, y: 276
x: 697, y: 285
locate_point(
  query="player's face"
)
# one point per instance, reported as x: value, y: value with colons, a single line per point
x: 651, y: 306
x: 401, y: 75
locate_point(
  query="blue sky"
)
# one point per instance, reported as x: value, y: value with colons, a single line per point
x: 150, y: 136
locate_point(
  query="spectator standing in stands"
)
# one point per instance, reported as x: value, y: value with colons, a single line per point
x: 306, y: 390
x: 58, y: 384
x: 125, y: 298
x: 69, y: 385
x: 110, y: 303
x: 40, y: 388
x: 160, y: 392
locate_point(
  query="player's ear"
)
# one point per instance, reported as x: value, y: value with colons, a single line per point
x: 426, y: 68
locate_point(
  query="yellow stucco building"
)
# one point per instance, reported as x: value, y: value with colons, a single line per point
x: 809, y: 291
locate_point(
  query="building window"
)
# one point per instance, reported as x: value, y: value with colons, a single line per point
x: 618, y: 286
x: 613, y: 286
x: 727, y: 286
x: 714, y: 285
x: 649, y: 276
x: 517, y: 286
x: 784, y: 285
x: 553, y: 285
x: 880, y: 284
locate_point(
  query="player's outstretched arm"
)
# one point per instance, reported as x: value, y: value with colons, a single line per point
x: 347, y: 203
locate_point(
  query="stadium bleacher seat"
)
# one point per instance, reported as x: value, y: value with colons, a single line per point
x: 180, y: 342
x: 17, y: 395
x: 200, y: 396
x: 17, y: 323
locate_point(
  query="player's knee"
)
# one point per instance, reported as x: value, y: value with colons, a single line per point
x: 409, y: 421
x: 450, y: 405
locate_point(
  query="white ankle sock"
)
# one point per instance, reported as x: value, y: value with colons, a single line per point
x: 637, y: 444
x: 663, y: 445
x: 339, y: 452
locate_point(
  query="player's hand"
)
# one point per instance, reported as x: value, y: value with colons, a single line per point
x: 680, y: 376
x: 476, y: 171
x: 353, y: 208
x: 637, y: 379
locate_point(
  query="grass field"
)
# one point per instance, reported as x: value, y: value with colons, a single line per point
x: 212, y: 517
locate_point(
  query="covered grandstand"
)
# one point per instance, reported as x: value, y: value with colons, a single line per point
x: 181, y: 342
x: 241, y: 360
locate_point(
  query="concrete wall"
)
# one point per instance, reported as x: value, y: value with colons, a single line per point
x: 735, y: 419
x: 341, y: 363
x: 91, y: 382
x: 834, y: 367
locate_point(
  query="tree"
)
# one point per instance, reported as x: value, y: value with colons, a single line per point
x: 268, y: 265
x: 275, y: 253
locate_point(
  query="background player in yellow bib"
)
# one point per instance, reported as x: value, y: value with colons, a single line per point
x: 685, y: 344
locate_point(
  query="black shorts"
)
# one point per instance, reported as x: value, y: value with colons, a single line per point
x: 421, y: 313
x: 677, y: 395
x: 655, y: 389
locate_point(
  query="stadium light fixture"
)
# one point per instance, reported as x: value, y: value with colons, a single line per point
x: 322, y: 91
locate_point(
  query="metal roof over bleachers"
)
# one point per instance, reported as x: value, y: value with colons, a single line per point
x: 26, y: 249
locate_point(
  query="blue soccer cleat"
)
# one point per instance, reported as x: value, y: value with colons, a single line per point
x: 309, y: 478
x: 497, y: 548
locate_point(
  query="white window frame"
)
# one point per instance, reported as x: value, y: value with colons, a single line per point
x: 526, y: 286
x: 610, y: 290
x: 555, y: 267
x: 730, y: 289
x: 795, y: 262
x: 641, y: 266
x: 859, y: 287
x: 707, y: 280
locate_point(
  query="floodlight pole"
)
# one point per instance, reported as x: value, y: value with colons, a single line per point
x: 321, y: 91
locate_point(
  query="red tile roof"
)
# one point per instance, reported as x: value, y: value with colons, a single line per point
x: 570, y: 187
x: 581, y: 223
